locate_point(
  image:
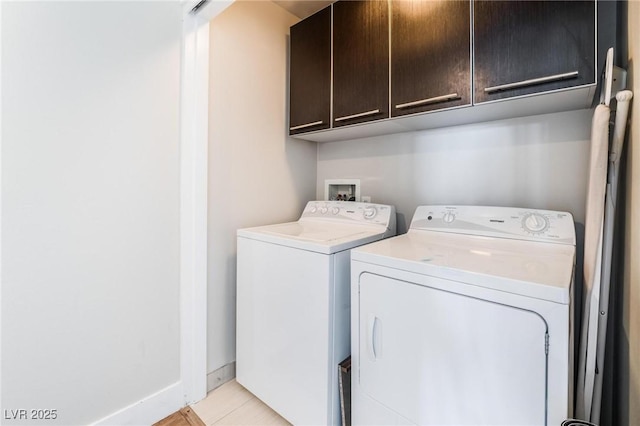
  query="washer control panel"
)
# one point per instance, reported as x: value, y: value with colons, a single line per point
x: 349, y: 212
x: 506, y: 222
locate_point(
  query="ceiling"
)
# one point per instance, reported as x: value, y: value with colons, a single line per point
x: 303, y: 8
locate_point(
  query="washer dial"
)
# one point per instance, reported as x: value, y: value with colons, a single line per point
x: 370, y: 212
x: 535, y: 223
x: 449, y: 217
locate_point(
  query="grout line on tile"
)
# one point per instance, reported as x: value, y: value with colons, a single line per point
x: 233, y: 411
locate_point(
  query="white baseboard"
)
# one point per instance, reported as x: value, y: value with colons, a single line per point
x: 148, y: 410
x: 221, y: 376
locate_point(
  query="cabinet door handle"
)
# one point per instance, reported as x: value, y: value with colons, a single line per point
x: 362, y: 114
x: 303, y: 126
x: 532, y: 81
x: 449, y: 97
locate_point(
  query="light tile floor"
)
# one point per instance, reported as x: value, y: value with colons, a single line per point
x: 233, y: 405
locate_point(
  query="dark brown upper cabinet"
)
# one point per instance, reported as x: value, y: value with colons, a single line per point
x: 430, y: 55
x: 526, y: 47
x: 360, y: 61
x: 310, y: 74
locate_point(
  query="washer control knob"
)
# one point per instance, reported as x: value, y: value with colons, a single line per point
x: 535, y: 223
x: 313, y: 209
x: 335, y: 210
x: 449, y: 217
x: 370, y: 212
x: 323, y: 210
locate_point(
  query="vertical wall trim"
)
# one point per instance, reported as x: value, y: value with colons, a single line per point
x: 193, y: 210
x: 194, y: 143
x: 1, y: 188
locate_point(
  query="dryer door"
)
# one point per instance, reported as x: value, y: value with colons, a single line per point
x: 441, y: 358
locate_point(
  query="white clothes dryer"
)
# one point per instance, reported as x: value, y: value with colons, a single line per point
x: 293, y: 305
x: 465, y: 320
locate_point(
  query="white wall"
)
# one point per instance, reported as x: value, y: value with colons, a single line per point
x: 90, y: 205
x: 538, y: 161
x: 257, y: 175
x: 630, y: 369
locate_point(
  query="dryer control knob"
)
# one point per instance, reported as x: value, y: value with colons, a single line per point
x: 335, y: 210
x: 535, y: 223
x: 313, y: 209
x: 323, y: 210
x: 370, y: 212
x: 449, y: 217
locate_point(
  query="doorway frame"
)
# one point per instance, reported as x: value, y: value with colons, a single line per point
x: 194, y: 132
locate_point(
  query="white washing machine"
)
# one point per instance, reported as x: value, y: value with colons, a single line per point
x: 465, y: 320
x: 293, y: 305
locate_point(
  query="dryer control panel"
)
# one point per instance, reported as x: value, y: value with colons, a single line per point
x: 351, y: 212
x: 504, y: 222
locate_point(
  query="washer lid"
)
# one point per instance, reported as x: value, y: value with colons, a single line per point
x: 530, y: 268
x: 319, y: 236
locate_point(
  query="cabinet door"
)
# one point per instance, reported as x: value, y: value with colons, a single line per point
x: 310, y: 74
x: 524, y: 47
x: 360, y: 61
x: 430, y: 55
